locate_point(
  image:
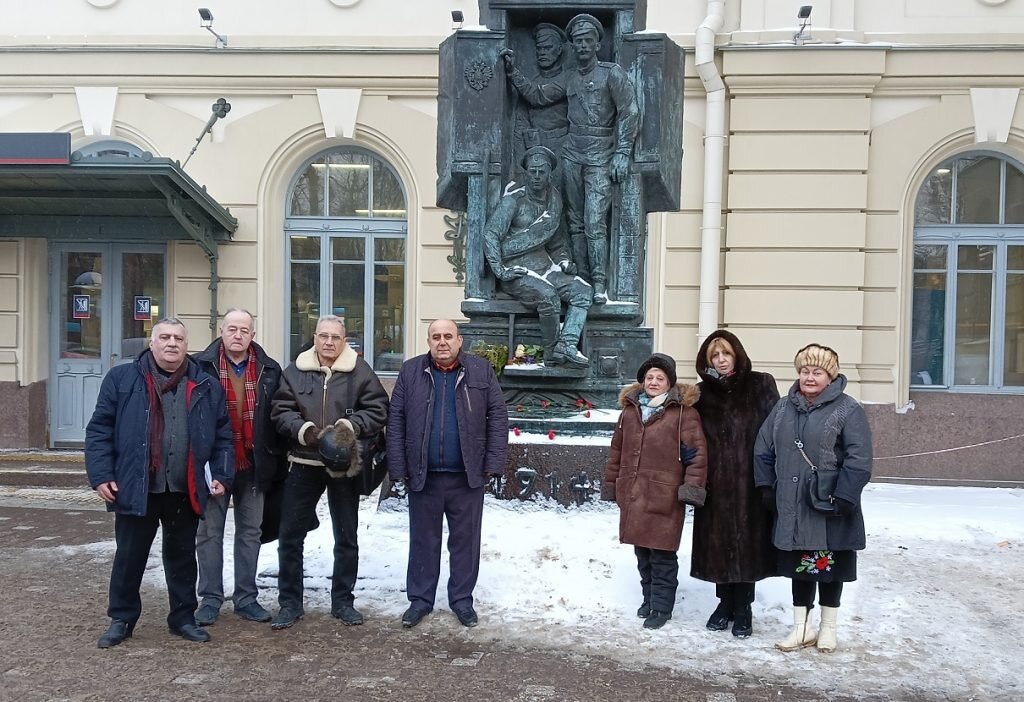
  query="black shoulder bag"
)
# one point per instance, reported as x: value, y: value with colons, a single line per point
x: 821, y: 484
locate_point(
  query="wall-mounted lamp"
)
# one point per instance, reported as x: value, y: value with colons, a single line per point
x: 219, y: 110
x: 457, y: 19
x: 803, y: 15
x: 206, y: 22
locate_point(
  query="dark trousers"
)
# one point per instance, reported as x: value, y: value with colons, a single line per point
x: 736, y: 597
x: 829, y: 594
x: 659, y: 577
x: 444, y: 496
x: 134, y: 537
x: 302, y: 490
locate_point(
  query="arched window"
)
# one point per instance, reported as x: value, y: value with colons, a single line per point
x: 967, y: 329
x: 346, y: 228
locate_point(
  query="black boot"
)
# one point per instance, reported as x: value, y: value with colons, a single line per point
x: 720, y: 618
x: 118, y: 631
x: 743, y: 626
x: 656, y: 619
x: 645, y: 610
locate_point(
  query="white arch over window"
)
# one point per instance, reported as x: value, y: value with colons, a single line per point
x: 967, y: 320
x: 346, y: 227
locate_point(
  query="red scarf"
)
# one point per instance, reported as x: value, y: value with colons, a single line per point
x: 241, y: 431
x: 156, y: 385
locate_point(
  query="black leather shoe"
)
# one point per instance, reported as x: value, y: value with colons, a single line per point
x: 467, y: 616
x: 118, y: 631
x: 644, y: 611
x: 348, y: 615
x: 286, y: 617
x: 656, y: 619
x: 413, y: 616
x: 743, y: 625
x: 720, y: 618
x: 191, y: 632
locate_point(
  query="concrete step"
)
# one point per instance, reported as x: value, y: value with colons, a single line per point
x: 43, y: 469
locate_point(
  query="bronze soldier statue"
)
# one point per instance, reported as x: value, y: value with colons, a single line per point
x: 527, y: 251
x: 603, y: 121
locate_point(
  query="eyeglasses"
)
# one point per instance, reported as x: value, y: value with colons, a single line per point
x: 329, y: 337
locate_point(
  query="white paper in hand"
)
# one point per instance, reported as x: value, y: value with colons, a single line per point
x: 209, y: 477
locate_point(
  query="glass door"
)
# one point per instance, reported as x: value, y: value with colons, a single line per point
x: 106, y: 298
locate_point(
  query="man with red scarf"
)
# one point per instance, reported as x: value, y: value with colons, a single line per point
x: 158, y: 423
x: 249, y: 378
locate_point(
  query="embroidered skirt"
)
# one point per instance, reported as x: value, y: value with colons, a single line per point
x: 819, y: 566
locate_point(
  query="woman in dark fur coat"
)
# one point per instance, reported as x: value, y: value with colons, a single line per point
x: 656, y: 466
x: 732, y: 533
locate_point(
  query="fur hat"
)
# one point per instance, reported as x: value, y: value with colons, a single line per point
x: 661, y: 362
x: 339, y: 450
x: 582, y: 23
x: 819, y: 356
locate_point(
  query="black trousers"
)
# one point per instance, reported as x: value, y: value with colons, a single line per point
x: 829, y: 594
x: 659, y: 577
x: 444, y: 496
x: 302, y: 490
x: 735, y: 596
x: 134, y: 537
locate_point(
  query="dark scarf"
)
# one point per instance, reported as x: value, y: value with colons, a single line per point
x: 157, y: 385
x: 240, y: 431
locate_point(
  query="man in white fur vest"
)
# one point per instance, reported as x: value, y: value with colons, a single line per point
x: 328, y: 398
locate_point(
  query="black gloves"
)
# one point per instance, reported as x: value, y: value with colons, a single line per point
x: 311, y: 437
x: 768, y: 499
x: 687, y: 454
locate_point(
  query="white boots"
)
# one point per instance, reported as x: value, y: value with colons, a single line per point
x: 827, y: 630
x: 803, y: 634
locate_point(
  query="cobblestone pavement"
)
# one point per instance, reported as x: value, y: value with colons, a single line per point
x: 55, y: 551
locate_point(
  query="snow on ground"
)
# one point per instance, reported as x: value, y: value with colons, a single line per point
x: 936, y: 609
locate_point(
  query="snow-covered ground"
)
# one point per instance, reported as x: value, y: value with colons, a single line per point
x: 937, y: 609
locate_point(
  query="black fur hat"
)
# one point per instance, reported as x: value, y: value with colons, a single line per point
x: 662, y: 362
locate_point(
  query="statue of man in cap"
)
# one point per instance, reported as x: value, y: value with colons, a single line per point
x: 603, y: 121
x: 525, y: 247
x: 545, y: 125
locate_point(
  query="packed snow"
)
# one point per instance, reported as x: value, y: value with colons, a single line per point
x: 936, y: 610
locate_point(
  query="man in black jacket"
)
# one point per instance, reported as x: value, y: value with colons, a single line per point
x: 447, y: 436
x: 328, y: 392
x: 249, y: 378
x: 158, y: 422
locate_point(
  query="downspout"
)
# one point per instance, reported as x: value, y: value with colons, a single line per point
x: 714, y: 158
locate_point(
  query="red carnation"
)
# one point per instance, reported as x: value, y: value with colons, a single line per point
x: 515, y: 430
x: 551, y: 434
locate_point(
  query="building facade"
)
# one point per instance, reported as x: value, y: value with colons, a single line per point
x: 871, y: 197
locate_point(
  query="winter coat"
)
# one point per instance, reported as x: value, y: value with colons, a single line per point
x: 835, y: 434
x: 732, y: 533
x: 645, y: 475
x: 482, y: 421
x: 268, y: 451
x: 117, y: 437
x: 313, y: 396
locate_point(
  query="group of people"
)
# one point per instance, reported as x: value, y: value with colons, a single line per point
x: 775, y: 484
x: 174, y: 437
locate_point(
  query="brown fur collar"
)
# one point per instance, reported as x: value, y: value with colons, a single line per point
x: 683, y: 394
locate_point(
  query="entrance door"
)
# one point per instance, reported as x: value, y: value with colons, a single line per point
x: 104, y: 300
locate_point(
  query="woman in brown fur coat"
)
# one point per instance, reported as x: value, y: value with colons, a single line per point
x: 656, y: 466
x: 732, y: 543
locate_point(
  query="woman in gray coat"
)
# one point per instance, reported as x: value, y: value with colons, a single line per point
x: 817, y: 427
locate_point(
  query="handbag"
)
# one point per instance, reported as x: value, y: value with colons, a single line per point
x: 821, y: 484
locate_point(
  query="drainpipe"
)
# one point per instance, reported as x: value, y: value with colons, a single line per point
x: 714, y: 158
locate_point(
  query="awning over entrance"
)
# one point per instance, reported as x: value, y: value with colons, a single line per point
x: 110, y: 197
